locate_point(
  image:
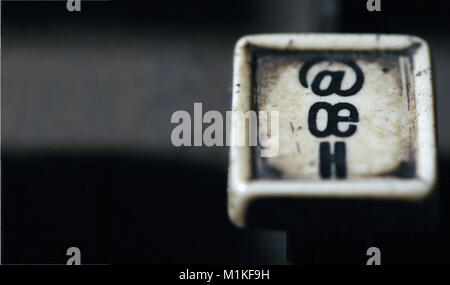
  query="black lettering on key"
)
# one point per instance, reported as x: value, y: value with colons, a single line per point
x: 328, y: 159
x: 332, y: 127
x: 335, y: 86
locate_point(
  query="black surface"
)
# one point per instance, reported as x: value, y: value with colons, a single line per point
x: 117, y: 209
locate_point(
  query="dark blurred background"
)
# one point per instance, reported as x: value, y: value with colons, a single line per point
x: 87, y: 99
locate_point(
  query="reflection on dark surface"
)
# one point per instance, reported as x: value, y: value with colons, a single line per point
x: 118, y: 209
x: 122, y: 209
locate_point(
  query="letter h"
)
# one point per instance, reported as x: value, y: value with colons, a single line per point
x: 327, y: 159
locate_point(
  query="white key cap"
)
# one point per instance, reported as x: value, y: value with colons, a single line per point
x: 355, y: 132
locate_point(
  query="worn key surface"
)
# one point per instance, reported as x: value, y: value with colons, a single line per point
x: 356, y: 139
x: 343, y: 115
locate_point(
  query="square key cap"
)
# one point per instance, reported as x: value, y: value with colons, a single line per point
x: 345, y: 133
